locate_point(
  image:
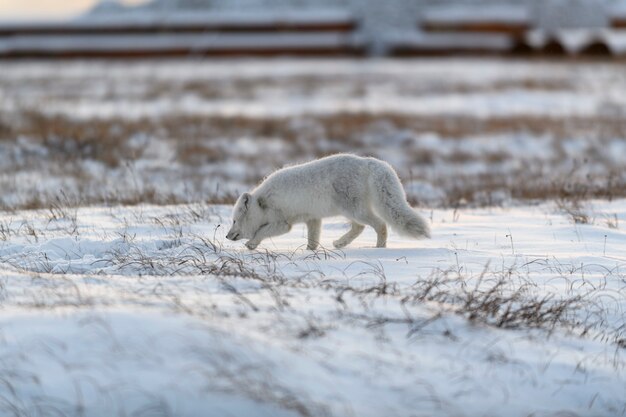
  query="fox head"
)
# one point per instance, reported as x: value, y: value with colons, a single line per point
x: 249, y: 215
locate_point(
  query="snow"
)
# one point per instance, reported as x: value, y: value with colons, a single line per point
x: 148, y: 310
x: 586, y: 99
x: 118, y: 32
x: 575, y: 40
x: 464, y: 13
x: 571, y: 14
x: 450, y: 41
x: 299, y: 110
x: 145, y: 18
x: 198, y: 42
x: 615, y: 40
x: 617, y: 9
x: 130, y: 310
x: 496, y: 104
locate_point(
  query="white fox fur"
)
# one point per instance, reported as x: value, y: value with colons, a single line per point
x: 365, y: 190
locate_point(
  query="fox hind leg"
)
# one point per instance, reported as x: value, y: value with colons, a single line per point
x: 355, y: 230
x: 359, y: 213
x: 377, y: 224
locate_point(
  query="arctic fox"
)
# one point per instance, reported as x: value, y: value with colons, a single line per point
x: 365, y: 190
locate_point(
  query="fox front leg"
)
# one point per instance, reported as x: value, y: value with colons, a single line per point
x: 314, y: 228
x: 268, y: 230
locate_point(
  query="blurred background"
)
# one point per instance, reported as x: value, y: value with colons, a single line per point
x: 474, y: 102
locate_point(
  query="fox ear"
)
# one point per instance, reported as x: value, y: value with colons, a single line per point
x: 246, y: 200
x: 262, y: 203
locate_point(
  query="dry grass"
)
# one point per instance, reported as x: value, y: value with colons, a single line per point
x: 575, y: 210
x: 194, y: 275
x: 499, y: 299
x: 351, y: 86
x: 503, y: 298
x: 87, y: 136
x: 197, y: 153
x: 199, y: 143
x: 612, y: 222
x: 67, y: 139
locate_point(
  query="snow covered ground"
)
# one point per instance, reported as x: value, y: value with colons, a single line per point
x: 120, y: 296
x: 432, y: 87
x: 458, y: 131
x: 149, y: 311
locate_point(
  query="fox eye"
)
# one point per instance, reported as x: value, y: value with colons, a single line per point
x: 234, y: 222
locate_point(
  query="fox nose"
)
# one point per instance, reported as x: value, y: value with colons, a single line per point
x: 232, y: 236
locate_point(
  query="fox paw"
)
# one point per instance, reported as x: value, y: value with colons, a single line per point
x: 338, y: 244
x: 251, y: 245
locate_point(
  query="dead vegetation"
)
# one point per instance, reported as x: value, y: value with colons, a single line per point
x: 183, y: 155
x: 502, y: 298
x: 612, y: 221
x: 575, y: 210
x: 68, y: 140
x: 247, y: 88
x: 499, y: 299
x: 183, y: 158
x: 57, y: 163
x: 91, y: 138
x: 173, y: 270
